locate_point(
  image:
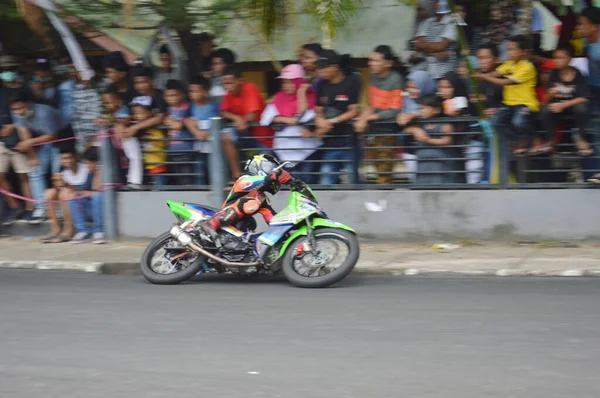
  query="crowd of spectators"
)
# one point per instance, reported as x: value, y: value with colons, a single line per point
x: 159, y: 118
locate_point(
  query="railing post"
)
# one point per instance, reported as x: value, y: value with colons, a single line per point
x: 217, y: 166
x: 109, y: 196
x: 504, y: 160
x: 355, y: 152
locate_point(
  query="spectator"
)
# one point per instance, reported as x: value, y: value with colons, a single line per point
x: 490, y: 93
x: 221, y: 59
x: 117, y: 74
x: 119, y: 118
x: 86, y: 109
x: 338, y: 96
x: 59, y: 195
x: 519, y: 79
x: 169, y: 54
x: 43, y: 85
x: 309, y: 56
x: 37, y: 125
x: 152, y: 140
x: 434, y: 165
x: 544, y: 72
x: 83, y: 181
x: 294, y: 104
x: 568, y: 96
x: 416, y: 59
x: 437, y: 38
x: 502, y: 20
x: 199, y: 123
x: 242, y: 105
x: 9, y: 137
x: 385, y: 103
x: 180, y: 144
x: 419, y: 85
x: 65, y: 94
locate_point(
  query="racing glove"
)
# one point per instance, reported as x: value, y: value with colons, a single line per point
x: 281, y: 176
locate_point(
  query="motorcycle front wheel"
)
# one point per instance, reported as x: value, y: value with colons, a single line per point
x: 165, y: 262
x: 334, y: 256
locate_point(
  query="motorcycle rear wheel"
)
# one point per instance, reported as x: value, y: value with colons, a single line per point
x: 312, y: 274
x: 194, y: 263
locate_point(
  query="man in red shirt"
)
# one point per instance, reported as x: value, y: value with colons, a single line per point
x: 243, y: 104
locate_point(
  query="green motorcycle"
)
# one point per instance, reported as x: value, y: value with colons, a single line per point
x: 311, y: 250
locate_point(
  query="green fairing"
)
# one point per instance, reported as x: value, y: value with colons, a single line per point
x: 315, y: 223
x: 179, y: 209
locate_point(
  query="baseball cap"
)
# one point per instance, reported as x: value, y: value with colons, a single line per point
x: 328, y: 58
x: 291, y: 72
x: 144, y: 101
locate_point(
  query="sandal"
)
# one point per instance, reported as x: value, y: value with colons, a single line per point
x: 542, y: 150
x: 585, y: 150
x: 520, y: 151
x: 595, y: 179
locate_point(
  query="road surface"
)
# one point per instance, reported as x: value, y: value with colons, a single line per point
x: 65, y: 334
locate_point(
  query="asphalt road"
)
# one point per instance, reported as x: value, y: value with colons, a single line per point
x: 78, y: 335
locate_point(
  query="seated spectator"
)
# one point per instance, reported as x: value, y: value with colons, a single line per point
x: 180, y: 143
x: 434, y: 164
x: 220, y: 59
x: 490, y: 93
x: 338, y: 97
x: 294, y: 104
x: 169, y: 54
x: 56, y: 196
x: 419, y: 85
x: 37, y: 126
x: 568, y: 96
x: 309, y: 56
x: 242, y: 105
x: 544, y: 78
x: 437, y: 38
x: 385, y: 103
x: 152, y: 140
x: 43, y: 85
x: 519, y: 79
x: 83, y: 181
x: 202, y: 109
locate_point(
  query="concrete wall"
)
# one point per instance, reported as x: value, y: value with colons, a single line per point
x: 412, y: 215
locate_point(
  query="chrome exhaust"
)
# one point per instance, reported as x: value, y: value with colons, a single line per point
x: 188, y: 241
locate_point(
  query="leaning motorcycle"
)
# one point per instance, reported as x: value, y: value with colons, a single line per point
x: 311, y: 250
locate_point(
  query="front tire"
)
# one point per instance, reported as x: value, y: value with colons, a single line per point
x: 193, y: 264
x: 293, y: 274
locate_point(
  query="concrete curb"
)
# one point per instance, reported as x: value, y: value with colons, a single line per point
x: 429, y: 269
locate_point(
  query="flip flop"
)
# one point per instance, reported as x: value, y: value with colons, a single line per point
x: 60, y: 239
x: 585, y: 152
x: 48, y: 239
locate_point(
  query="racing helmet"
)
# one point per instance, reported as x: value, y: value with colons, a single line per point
x: 264, y: 165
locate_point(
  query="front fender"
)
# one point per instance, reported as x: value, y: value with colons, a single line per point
x: 316, y: 223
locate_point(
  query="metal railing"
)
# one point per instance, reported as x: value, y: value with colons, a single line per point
x: 385, y: 159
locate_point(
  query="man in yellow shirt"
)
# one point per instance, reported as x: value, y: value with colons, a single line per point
x: 518, y: 77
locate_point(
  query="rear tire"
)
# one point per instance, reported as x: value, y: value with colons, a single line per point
x: 327, y: 280
x: 166, y: 279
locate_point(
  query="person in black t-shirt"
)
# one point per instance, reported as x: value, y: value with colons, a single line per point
x: 337, y: 103
x: 490, y: 94
x: 568, y: 96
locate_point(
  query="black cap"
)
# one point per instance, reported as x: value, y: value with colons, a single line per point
x: 328, y: 58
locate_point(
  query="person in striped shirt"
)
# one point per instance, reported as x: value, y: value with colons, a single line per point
x: 385, y: 102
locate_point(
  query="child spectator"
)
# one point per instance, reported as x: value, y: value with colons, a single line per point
x: 220, y: 59
x: 181, y: 143
x: 242, y: 105
x: 201, y: 111
x: 490, y: 93
x: 338, y: 96
x: 519, y: 79
x: 385, y: 103
x: 544, y: 78
x: 294, y: 104
x: 87, y: 108
x: 152, y: 140
x: 116, y: 71
x: 432, y: 141
x: 568, y: 96
x: 83, y: 181
x: 419, y: 85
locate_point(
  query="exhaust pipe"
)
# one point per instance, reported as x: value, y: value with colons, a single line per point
x: 186, y: 239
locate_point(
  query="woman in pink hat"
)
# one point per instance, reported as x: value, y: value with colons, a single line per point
x: 292, y: 106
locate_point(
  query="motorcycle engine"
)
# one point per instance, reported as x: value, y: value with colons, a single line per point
x: 234, y: 249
